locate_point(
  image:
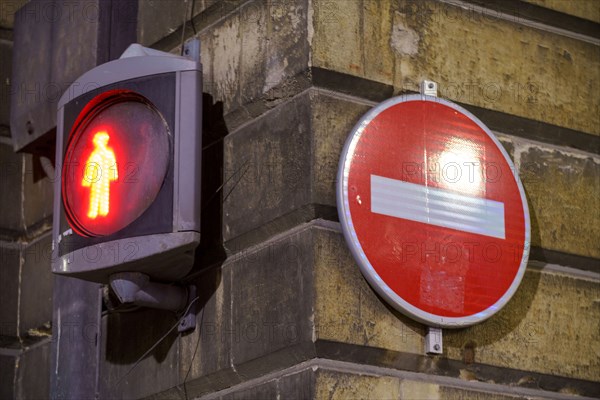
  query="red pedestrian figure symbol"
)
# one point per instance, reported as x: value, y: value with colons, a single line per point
x: 100, y: 170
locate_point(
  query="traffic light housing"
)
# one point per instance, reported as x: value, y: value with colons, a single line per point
x: 128, y: 157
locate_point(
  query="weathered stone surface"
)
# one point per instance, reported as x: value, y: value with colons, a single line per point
x: 419, y: 390
x: 125, y: 338
x: 7, y: 12
x: 26, y: 198
x: 253, y: 50
x: 78, y: 346
x: 36, y: 282
x: 7, y: 376
x: 221, y: 51
x: 337, y: 40
x: 347, y: 309
x: 257, y: 315
x: 534, y: 74
x: 522, y: 336
x: 354, y: 381
x: 26, y: 287
x: 265, y: 391
x: 267, y: 168
x: 5, y: 73
x: 507, y: 143
x: 272, y: 298
x: 332, y: 121
x: 255, y: 25
x: 207, y: 350
x: 561, y: 186
x: 11, y: 166
x: 587, y: 9
x: 336, y: 385
x: 288, y: 46
x: 410, y: 389
x: 160, y: 18
x: 38, y: 197
x: 10, y: 267
x: 33, y: 373
x: 297, y: 386
x: 562, y: 190
x: 345, y: 385
x: 25, y: 373
x: 525, y: 333
x: 157, y: 19
x: 453, y: 393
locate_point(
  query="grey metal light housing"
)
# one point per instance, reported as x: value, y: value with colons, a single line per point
x: 161, y: 241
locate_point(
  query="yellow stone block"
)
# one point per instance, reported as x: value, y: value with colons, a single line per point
x: 562, y: 190
x: 534, y: 74
x: 333, y: 385
x: 524, y: 335
x: 347, y: 309
x: 587, y: 9
x: 549, y: 326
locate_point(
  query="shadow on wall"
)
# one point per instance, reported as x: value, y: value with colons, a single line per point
x: 131, y: 335
x: 506, y: 321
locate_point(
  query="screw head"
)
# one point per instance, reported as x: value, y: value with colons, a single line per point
x: 29, y: 127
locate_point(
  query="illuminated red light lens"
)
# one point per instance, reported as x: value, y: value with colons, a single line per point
x: 116, y: 161
x: 101, y: 169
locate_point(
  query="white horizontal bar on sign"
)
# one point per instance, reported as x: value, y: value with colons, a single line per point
x: 439, y: 207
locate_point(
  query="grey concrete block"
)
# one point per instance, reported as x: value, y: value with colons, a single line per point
x: 25, y: 373
x: 7, y: 376
x: 5, y: 72
x: 38, y: 197
x: 297, y: 386
x: 206, y: 352
x: 288, y: 46
x: 11, y: 166
x: 26, y: 195
x: 160, y: 18
x: 33, y: 373
x: 25, y: 287
x: 266, y: 390
x: 252, y: 51
x: 126, y: 337
x: 7, y: 12
x: 9, y: 288
x: 272, y: 301
x: 36, y: 285
x: 75, y: 341
x: 267, y: 168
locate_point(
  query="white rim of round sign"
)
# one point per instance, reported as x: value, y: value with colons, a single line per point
x: 359, y: 255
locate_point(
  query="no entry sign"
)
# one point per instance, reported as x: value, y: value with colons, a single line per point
x: 433, y: 211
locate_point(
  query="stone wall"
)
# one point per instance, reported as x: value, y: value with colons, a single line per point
x: 286, y: 311
x: 25, y: 278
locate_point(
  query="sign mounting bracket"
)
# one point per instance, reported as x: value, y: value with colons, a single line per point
x: 433, y: 339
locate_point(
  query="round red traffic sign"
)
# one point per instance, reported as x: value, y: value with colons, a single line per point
x: 433, y: 211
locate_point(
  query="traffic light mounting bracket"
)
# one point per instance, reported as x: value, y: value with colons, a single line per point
x: 135, y: 288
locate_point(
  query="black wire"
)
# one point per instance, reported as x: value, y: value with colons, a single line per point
x: 183, y: 28
x: 192, y: 17
x: 194, y: 356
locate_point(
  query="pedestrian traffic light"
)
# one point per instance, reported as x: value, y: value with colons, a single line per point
x: 127, y: 195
